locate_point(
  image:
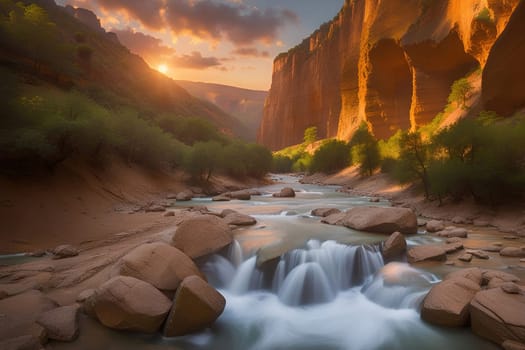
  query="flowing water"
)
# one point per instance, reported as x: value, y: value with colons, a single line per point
x: 321, y: 287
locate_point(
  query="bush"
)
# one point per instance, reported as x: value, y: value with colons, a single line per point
x: 365, y: 150
x: 460, y: 92
x: 282, y: 164
x: 190, y: 130
x: 331, y: 157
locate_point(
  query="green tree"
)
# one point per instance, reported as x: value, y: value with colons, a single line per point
x: 310, y: 135
x: 203, y: 159
x: 331, y: 157
x: 414, y: 159
x: 460, y: 92
x: 365, y: 150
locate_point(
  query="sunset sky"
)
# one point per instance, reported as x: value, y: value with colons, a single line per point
x: 230, y: 42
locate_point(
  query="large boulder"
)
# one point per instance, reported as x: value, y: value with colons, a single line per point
x: 381, y: 219
x: 61, y: 323
x: 196, y: 306
x: 64, y: 251
x: 202, y: 235
x: 324, y: 212
x: 286, y: 192
x: 239, y: 219
x: 130, y: 304
x: 426, y: 252
x: 159, y: 264
x: 447, y: 303
x: 498, y: 316
x: 394, y: 245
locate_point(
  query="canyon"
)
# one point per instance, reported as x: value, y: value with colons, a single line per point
x: 391, y: 64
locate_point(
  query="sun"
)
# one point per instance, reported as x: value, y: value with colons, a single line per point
x: 163, y: 68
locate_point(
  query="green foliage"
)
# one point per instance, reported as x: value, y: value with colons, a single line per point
x: 460, y: 92
x: 310, y: 135
x: 484, y: 15
x: 331, y: 157
x: 203, y: 159
x: 282, y: 164
x: 303, y: 163
x: 365, y: 150
x: 390, y: 148
x: 190, y: 130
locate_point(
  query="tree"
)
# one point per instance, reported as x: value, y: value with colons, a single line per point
x: 333, y: 156
x: 365, y: 150
x: 310, y: 135
x: 413, y: 160
x: 203, y: 159
x: 460, y: 92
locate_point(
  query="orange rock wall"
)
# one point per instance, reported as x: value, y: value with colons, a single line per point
x: 387, y: 62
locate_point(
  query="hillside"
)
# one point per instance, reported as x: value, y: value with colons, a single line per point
x: 245, y: 105
x: 67, y: 48
x: 391, y: 64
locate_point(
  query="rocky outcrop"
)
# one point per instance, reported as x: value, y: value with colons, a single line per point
x: 127, y: 303
x: 503, y: 84
x: 195, y: 306
x: 159, y: 264
x: 202, y: 235
x: 388, y: 63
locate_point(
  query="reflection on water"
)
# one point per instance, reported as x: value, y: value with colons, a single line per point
x: 320, y: 294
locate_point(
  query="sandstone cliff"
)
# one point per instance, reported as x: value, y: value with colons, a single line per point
x: 387, y: 62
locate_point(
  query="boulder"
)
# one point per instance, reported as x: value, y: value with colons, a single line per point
x: 241, y: 195
x: 128, y: 303
x: 202, y: 235
x: 184, y: 196
x: 334, y: 219
x: 453, y: 247
x: 489, y: 275
x: 64, y: 251
x: 474, y: 274
x: 426, y: 252
x: 196, y: 306
x: 480, y: 254
x: 239, y: 219
x: 61, y: 323
x: 324, y: 212
x: 459, y: 220
x: 447, y: 303
x: 394, y: 245
x: 511, y: 288
x: 20, y: 312
x: 24, y: 342
x: 513, y: 252
x: 159, y: 264
x: 498, y: 316
x: 453, y: 232
x: 435, y: 226
x: 286, y: 192
x: 381, y: 219
x: 465, y: 257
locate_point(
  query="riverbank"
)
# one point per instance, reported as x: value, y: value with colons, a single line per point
x: 79, y: 203
x: 508, y: 219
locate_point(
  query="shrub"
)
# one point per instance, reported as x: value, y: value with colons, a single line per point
x: 365, y: 150
x: 460, y: 92
x: 310, y: 135
x: 282, y: 164
x: 331, y: 157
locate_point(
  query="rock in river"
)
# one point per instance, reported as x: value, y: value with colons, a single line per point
x: 426, y: 252
x: 394, y: 245
x: 381, y: 219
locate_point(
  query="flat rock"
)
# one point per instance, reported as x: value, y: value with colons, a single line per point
x: 453, y: 232
x: 426, y: 252
x: 24, y: 342
x: 435, y: 226
x: 394, y: 245
x: 467, y: 257
x: 474, y: 274
x: 286, y: 192
x: 488, y: 275
x: 324, y: 212
x: 334, y: 219
x: 157, y: 263
x: 243, y: 195
x: 459, y: 220
x: 128, y: 303
x: 196, y: 306
x: 202, y: 235
x: 447, y: 303
x: 64, y: 251
x: 61, y: 323
x: 498, y: 316
x: 480, y: 254
x: 511, y: 288
x: 239, y: 219
x: 453, y: 240
x: 381, y: 219
x: 221, y: 198
x: 453, y: 247
x: 513, y: 252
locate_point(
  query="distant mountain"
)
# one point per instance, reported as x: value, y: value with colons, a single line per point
x: 245, y: 105
x: 88, y: 59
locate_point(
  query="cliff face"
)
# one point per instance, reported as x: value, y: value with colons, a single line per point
x: 389, y: 63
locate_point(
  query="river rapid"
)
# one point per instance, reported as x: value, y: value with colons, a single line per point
x: 330, y: 289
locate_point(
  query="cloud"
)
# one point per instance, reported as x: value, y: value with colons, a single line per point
x: 250, y: 51
x: 195, y: 60
x: 206, y: 19
x: 142, y: 44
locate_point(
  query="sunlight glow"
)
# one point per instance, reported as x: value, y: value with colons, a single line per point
x: 163, y: 68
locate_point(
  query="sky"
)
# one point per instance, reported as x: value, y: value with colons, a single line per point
x: 231, y: 42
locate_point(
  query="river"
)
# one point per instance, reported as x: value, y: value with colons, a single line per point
x: 331, y: 290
